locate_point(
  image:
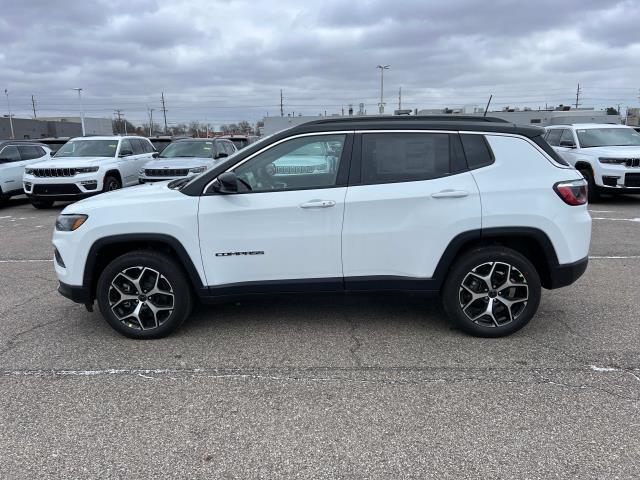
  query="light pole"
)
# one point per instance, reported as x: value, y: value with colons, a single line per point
x: 151, y: 121
x: 382, y: 69
x: 79, y: 90
x: 6, y: 92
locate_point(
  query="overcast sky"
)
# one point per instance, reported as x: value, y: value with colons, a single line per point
x: 221, y: 62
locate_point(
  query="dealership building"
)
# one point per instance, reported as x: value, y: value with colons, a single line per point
x: 542, y: 118
x: 29, y: 128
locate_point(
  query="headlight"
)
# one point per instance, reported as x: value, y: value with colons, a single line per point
x: 615, y: 161
x: 197, y: 169
x: 141, y: 171
x: 87, y: 169
x: 28, y: 171
x: 69, y: 223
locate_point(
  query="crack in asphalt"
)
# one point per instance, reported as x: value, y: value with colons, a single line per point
x: 331, y: 374
x: 13, y: 343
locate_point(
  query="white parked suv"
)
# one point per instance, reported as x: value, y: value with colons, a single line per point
x: 86, y: 166
x: 15, y: 155
x: 480, y: 210
x: 186, y: 158
x: 608, y: 156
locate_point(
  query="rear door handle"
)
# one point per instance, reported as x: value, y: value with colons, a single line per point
x: 318, y: 204
x: 450, y: 194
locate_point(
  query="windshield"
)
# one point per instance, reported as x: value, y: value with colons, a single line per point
x: 88, y: 148
x: 188, y: 149
x: 607, y: 137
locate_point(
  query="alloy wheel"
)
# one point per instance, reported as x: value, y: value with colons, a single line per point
x: 493, y: 294
x: 141, y: 298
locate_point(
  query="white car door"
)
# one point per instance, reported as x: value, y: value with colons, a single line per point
x: 143, y: 152
x: 11, y: 169
x: 127, y: 163
x: 285, y: 233
x: 409, y: 195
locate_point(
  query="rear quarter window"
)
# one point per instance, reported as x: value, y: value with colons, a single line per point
x: 477, y: 151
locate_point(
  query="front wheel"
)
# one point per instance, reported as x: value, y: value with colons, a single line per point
x: 491, y: 292
x: 144, y: 295
x: 111, y: 183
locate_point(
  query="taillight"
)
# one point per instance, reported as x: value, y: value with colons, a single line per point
x: 573, y: 192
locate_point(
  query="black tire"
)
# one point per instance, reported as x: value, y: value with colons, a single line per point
x: 41, y: 204
x: 593, y: 192
x: 111, y: 183
x: 155, y: 325
x: 506, y: 320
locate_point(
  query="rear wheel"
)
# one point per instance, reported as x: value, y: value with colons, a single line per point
x: 144, y: 295
x: 40, y: 204
x: 491, y: 292
x: 111, y: 183
x: 592, y: 188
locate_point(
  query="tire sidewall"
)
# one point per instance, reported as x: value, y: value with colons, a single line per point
x: 108, y: 181
x: 169, y: 269
x: 469, y: 261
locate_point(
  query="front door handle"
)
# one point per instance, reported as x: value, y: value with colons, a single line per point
x: 318, y: 204
x: 450, y: 194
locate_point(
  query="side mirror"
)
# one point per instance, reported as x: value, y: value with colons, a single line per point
x: 222, y: 155
x: 567, y: 144
x: 155, y: 154
x: 226, y: 182
x: 125, y: 152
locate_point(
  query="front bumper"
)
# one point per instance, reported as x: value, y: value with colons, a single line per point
x: 78, y: 294
x: 145, y: 179
x: 565, y: 274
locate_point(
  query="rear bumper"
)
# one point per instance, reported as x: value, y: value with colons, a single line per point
x: 78, y: 294
x: 566, y: 274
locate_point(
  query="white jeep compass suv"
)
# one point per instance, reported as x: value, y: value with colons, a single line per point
x: 86, y: 166
x: 480, y: 210
x: 608, y: 156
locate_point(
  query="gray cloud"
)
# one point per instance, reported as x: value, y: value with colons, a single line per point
x: 227, y: 60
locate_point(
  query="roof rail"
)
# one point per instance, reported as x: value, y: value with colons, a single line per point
x: 405, y: 118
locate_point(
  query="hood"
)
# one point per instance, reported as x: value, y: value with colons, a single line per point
x: 71, y: 162
x: 180, y: 162
x: 148, y: 193
x: 615, y: 152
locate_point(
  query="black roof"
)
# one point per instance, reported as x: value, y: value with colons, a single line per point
x: 423, y: 122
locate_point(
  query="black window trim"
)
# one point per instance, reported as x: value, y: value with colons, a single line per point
x: 341, y: 177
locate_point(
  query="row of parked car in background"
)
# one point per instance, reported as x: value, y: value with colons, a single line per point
x: 50, y: 170
x: 57, y: 169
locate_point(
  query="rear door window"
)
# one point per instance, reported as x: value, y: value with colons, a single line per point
x: 405, y: 157
x: 138, y: 148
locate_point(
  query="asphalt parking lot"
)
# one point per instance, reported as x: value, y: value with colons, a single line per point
x: 322, y: 387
